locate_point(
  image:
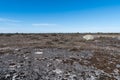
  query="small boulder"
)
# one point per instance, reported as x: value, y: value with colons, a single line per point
x: 88, y: 37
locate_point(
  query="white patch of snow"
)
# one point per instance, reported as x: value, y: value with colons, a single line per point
x: 38, y: 52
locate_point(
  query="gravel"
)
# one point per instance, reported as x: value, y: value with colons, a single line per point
x: 50, y: 64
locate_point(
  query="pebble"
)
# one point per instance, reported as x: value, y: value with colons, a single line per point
x: 58, y: 60
x: 72, y: 77
x: 116, y: 71
x: 58, y: 71
x: 14, y: 76
x: 93, y: 78
x: 26, y: 57
x: 16, y: 49
x: 12, y: 66
x: 118, y: 65
x: 7, y: 75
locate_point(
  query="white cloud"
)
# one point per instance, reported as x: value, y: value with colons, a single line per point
x: 8, y: 20
x: 45, y: 24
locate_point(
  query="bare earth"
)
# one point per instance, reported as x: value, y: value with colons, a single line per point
x: 59, y: 57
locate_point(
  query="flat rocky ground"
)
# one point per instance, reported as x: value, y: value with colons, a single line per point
x: 59, y: 57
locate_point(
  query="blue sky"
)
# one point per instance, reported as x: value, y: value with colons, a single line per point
x: 36, y: 16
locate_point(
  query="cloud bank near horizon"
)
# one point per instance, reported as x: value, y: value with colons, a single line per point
x: 43, y: 24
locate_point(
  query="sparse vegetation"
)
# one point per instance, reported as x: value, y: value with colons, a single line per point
x: 76, y: 54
